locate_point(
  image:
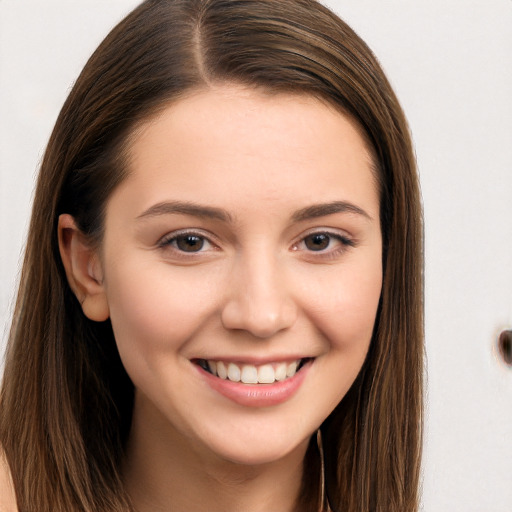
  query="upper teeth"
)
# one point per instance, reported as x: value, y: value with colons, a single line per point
x: 250, y: 374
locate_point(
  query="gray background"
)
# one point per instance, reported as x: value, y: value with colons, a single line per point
x: 450, y: 63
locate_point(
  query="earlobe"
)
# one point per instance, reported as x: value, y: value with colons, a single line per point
x: 83, y: 269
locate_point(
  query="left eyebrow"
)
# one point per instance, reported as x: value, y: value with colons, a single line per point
x: 321, y: 210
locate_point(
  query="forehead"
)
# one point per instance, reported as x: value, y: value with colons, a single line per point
x: 231, y: 140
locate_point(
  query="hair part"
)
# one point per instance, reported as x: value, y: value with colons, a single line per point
x: 61, y: 368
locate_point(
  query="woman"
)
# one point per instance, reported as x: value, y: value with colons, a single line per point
x: 221, y: 300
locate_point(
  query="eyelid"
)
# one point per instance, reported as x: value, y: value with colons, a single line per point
x: 345, y: 240
x: 165, y: 241
x: 334, y: 232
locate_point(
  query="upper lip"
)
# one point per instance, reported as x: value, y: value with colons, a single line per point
x: 256, y: 361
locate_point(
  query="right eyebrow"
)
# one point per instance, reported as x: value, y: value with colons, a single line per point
x: 186, y: 208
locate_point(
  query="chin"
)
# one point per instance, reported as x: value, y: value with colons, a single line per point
x: 255, y: 451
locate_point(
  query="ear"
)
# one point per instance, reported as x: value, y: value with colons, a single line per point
x: 83, y: 269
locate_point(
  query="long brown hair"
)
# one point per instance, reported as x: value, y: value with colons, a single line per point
x: 66, y: 400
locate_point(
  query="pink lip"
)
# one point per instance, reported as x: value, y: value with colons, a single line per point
x: 257, y: 395
x: 257, y: 361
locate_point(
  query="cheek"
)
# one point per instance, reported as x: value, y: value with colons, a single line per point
x: 345, y: 317
x: 345, y: 313
x: 154, y: 311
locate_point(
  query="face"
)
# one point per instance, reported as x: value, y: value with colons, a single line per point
x: 241, y: 265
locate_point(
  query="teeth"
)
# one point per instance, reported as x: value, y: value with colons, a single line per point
x: 266, y: 374
x: 291, y: 369
x: 222, y: 372
x: 212, y: 365
x: 233, y: 372
x: 280, y: 371
x: 250, y: 374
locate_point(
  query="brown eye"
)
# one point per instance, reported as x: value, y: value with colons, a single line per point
x: 317, y: 241
x: 189, y: 243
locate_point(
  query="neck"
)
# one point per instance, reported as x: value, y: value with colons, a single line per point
x: 165, y: 471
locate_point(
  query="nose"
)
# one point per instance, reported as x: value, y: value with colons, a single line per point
x: 258, y: 299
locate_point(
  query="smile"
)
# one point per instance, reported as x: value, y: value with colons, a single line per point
x: 255, y: 385
x: 267, y: 373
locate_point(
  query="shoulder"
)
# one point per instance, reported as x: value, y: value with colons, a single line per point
x: 7, y: 498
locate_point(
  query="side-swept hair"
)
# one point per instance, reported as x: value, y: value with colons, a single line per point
x: 66, y: 400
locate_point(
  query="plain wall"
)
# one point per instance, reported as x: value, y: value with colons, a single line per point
x: 450, y: 63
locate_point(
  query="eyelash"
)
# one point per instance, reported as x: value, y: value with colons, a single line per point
x: 345, y: 242
x: 172, y: 239
x: 327, y: 253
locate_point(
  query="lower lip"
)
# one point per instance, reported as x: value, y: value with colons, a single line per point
x: 257, y: 395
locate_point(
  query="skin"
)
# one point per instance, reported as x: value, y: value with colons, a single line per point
x: 256, y: 290
x: 7, y: 496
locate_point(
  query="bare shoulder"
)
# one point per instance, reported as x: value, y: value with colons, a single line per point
x: 7, y: 499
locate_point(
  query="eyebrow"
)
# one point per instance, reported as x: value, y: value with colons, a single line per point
x: 322, y: 210
x: 210, y: 212
x: 186, y: 208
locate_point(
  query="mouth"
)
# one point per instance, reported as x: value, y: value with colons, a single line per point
x: 267, y: 373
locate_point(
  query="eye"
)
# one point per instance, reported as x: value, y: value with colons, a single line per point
x: 189, y: 243
x: 324, y: 243
x: 186, y: 242
x: 317, y: 241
